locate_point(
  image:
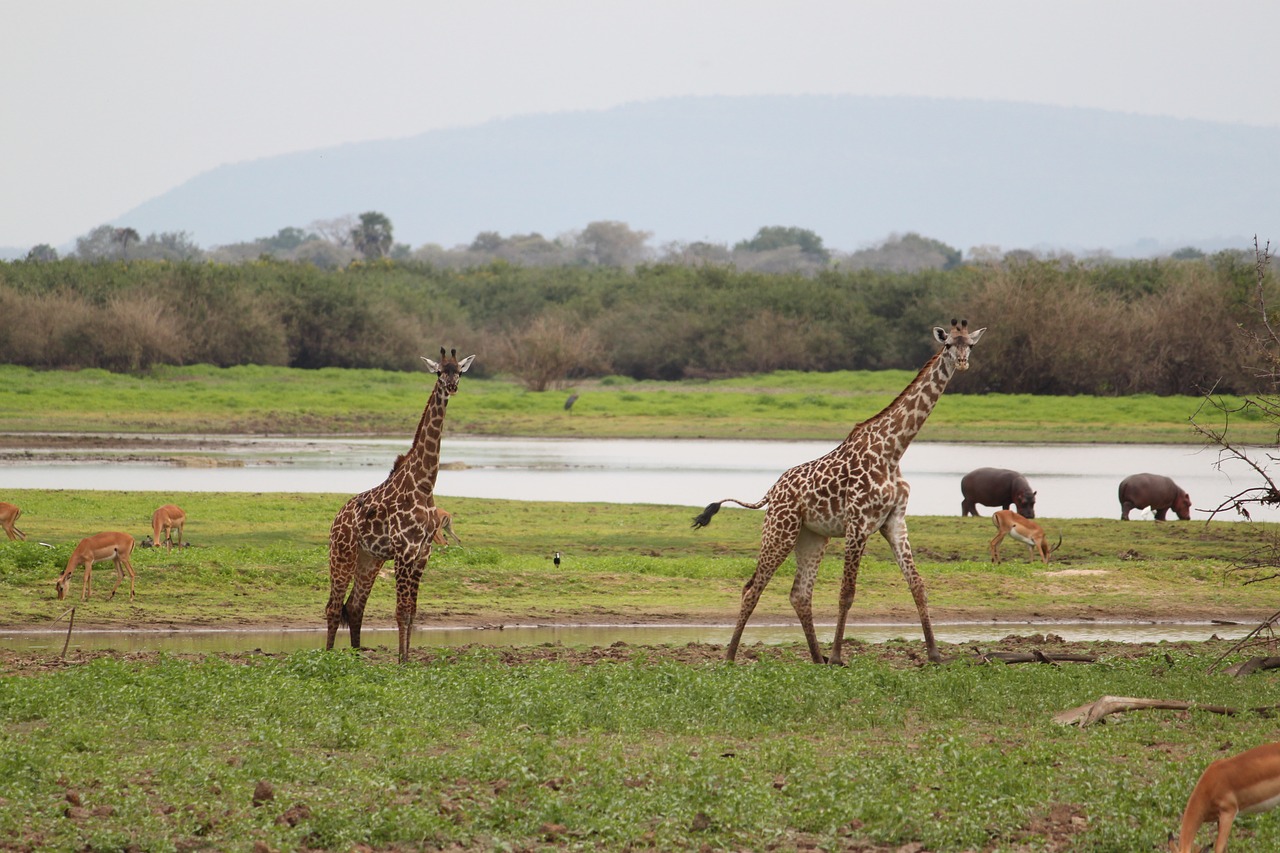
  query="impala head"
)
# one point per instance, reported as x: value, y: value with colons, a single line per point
x: 61, y: 586
x: 956, y: 343
x: 448, y: 368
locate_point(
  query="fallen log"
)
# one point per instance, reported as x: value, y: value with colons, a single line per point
x: 1095, y: 711
x: 1254, y: 664
x: 1034, y: 656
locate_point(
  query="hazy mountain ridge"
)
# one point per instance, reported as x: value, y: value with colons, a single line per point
x: 852, y: 169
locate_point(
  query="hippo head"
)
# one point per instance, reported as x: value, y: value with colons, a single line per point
x: 1182, y: 505
x: 1025, y: 500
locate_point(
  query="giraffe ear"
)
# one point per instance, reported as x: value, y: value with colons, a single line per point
x: 434, y: 367
x: 940, y: 334
x: 465, y: 363
x: 975, y: 336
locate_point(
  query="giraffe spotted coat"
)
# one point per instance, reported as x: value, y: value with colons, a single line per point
x: 851, y: 492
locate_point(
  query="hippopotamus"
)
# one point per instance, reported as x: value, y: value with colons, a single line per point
x: 1139, y: 491
x: 997, y: 487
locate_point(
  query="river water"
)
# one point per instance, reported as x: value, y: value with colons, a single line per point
x: 208, y: 642
x: 1072, y: 481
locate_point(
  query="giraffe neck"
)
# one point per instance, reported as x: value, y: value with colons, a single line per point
x: 900, y: 421
x: 422, y: 461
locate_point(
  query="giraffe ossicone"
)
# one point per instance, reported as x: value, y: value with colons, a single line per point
x: 855, y: 490
x: 396, y: 520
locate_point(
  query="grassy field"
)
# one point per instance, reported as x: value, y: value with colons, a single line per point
x: 615, y: 748
x: 548, y: 747
x: 261, y: 559
x: 784, y: 405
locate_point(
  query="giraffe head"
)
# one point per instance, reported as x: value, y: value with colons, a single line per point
x: 956, y: 343
x: 448, y: 368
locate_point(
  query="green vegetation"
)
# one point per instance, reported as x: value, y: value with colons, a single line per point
x: 261, y: 559
x: 781, y: 405
x: 608, y: 748
x: 1058, y: 326
x: 631, y: 747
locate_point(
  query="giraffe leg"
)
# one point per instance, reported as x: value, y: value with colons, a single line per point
x: 778, y: 539
x: 408, y: 576
x: 366, y: 572
x: 809, y: 550
x: 894, y: 531
x: 342, y: 569
x: 854, y: 544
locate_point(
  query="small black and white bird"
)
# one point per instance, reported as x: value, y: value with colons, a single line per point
x: 556, y: 559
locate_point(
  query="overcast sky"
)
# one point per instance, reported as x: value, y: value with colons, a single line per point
x: 106, y: 105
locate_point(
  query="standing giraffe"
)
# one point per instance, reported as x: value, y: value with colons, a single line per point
x: 393, y: 521
x: 850, y: 492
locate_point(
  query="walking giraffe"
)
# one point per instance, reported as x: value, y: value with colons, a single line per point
x: 851, y: 492
x: 393, y: 521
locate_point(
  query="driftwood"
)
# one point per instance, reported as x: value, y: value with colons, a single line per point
x: 1093, y: 712
x: 1033, y: 656
x: 1255, y: 664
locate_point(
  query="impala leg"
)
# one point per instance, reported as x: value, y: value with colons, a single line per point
x: 995, y: 547
x: 1225, y: 819
x: 854, y: 545
x: 86, y: 588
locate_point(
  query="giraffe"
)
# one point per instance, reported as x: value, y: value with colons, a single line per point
x: 851, y: 492
x: 393, y: 521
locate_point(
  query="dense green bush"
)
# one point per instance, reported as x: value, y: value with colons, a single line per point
x: 1057, y: 327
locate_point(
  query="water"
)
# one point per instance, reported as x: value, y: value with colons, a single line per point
x: 206, y: 642
x: 1073, y: 481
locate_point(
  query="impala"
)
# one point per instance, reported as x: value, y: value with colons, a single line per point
x: 1009, y: 523
x: 444, y: 524
x: 9, y: 519
x: 165, y: 520
x: 1248, y: 783
x: 101, y: 546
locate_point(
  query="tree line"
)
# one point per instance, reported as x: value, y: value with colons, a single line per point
x: 1057, y: 327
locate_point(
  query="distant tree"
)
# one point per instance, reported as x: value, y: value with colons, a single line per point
x: 122, y: 237
x: 43, y: 252
x: 550, y: 351
x: 908, y: 253
x: 697, y: 252
x: 372, y: 237
x: 336, y: 231
x: 1187, y: 253
x: 286, y: 239
x: 773, y: 237
x: 98, y: 245
x: 169, y: 246
x: 612, y: 244
x: 487, y: 241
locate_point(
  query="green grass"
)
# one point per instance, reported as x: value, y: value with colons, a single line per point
x: 261, y: 559
x: 470, y: 749
x: 784, y: 405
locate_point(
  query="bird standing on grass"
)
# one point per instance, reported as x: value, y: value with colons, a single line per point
x: 556, y: 559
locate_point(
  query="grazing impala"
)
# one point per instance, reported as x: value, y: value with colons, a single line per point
x: 1009, y: 523
x: 101, y: 546
x: 9, y: 519
x: 1248, y: 783
x: 444, y: 524
x: 165, y: 520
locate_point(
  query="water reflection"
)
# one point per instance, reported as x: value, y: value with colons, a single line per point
x: 1073, y: 481
x: 205, y: 642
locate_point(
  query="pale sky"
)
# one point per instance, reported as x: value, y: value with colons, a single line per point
x: 106, y: 105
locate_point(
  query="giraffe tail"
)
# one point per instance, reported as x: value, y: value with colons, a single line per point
x: 343, y: 619
x: 703, y: 518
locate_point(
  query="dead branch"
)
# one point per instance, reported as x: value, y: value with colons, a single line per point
x: 1266, y: 627
x: 1034, y: 656
x: 1093, y: 712
x: 1254, y: 664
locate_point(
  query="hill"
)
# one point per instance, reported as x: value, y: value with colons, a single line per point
x: 852, y: 169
